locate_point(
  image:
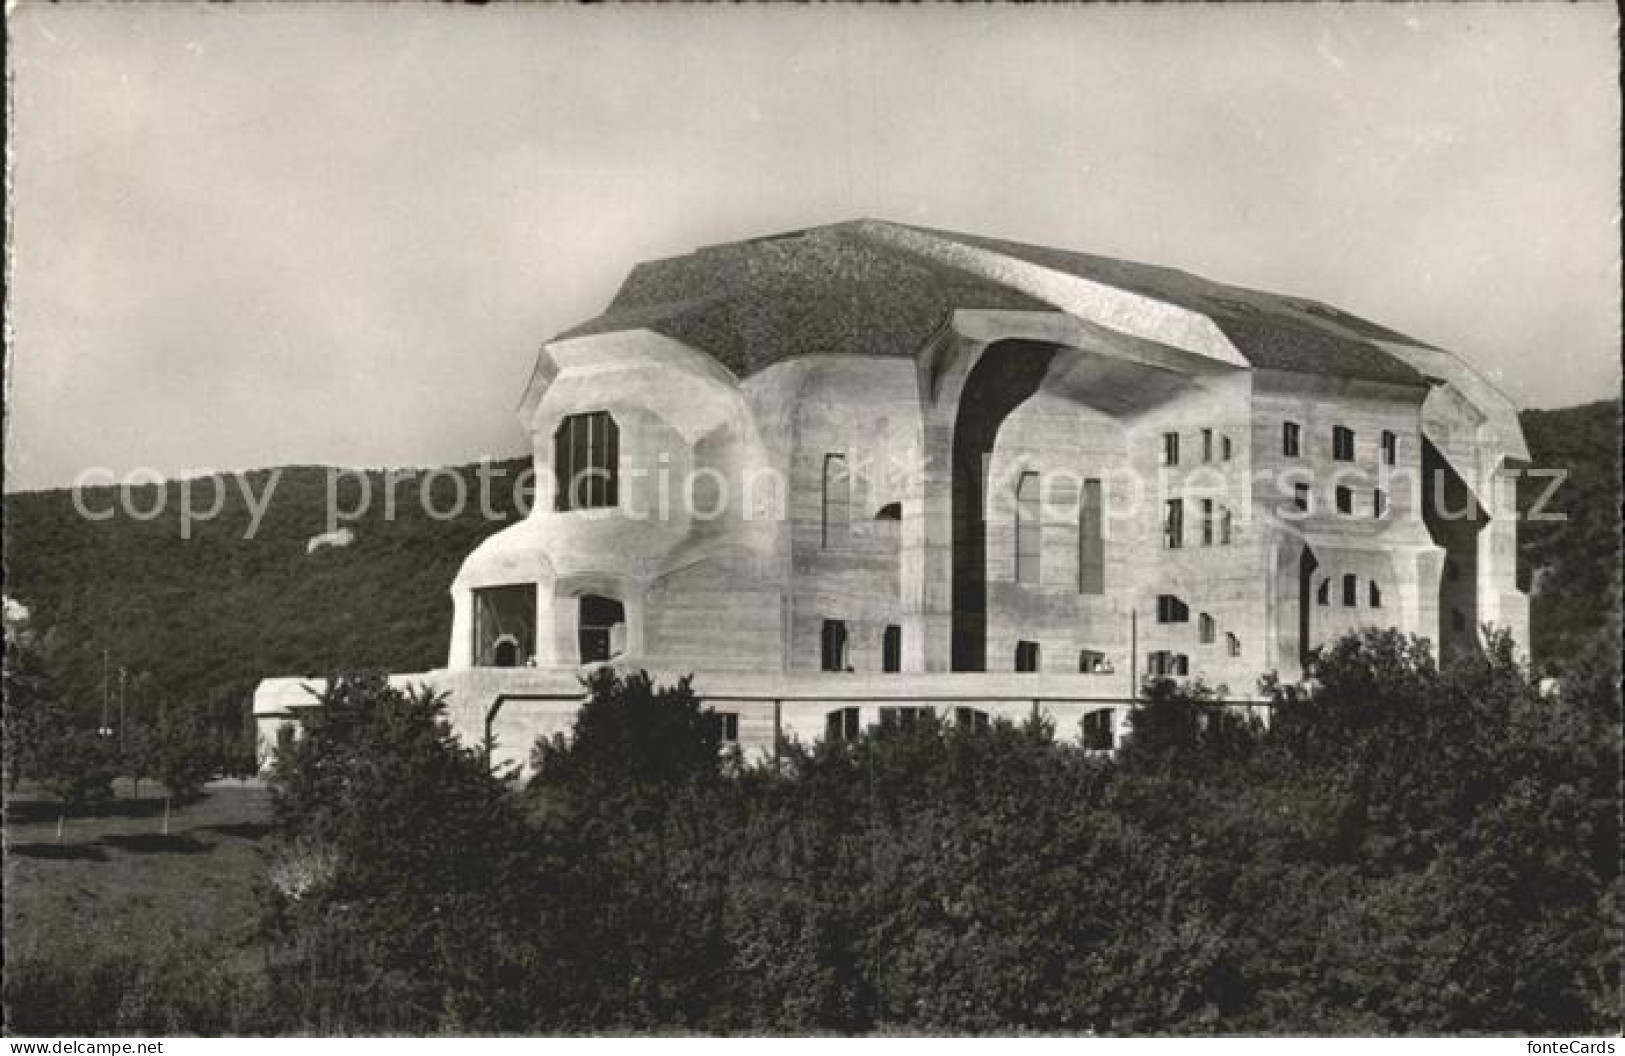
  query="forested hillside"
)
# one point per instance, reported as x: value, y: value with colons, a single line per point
x: 200, y: 620
x: 1573, y: 564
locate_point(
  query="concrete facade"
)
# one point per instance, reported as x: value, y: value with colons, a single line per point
x: 926, y: 461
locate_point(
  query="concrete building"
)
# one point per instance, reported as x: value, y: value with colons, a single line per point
x: 843, y: 472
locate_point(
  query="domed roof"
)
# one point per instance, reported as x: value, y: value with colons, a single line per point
x: 871, y: 287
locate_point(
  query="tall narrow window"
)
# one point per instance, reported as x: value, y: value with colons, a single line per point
x: 1224, y: 448
x: 1173, y: 524
x: 1323, y: 596
x: 600, y: 627
x: 586, y: 462
x: 1207, y: 522
x: 1170, y: 449
x: 1026, y: 657
x: 1232, y: 644
x: 1206, y: 629
x: 1379, y: 503
x: 1171, y: 609
x: 1351, y: 590
x: 1029, y: 530
x: 1375, y: 596
x: 1289, y: 439
x: 833, y: 644
x: 1345, y: 500
x: 1097, y: 730
x: 837, y: 501
x: 1342, y: 443
x: 1390, y: 448
x: 891, y: 649
x: 1091, y: 541
x: 1207, y: 445
x: 1226, y: 526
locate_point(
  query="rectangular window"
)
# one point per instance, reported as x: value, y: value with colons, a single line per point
x: 1170, y: 449
x: 842, y: 724
x: 1207, y: 522
x: 1375, y: 596
x: 971, y: 718
x: 902, y: 718
x: 1351, y: 590
x: 728, y: 725
x: 1026, y: 657
x: 504, y: 625
x: 1173, y: 524
x: 1097, y: 730
x: 1390, y: 448
x: 1232, y: 644
x: 1300, y: 497
x: 1091, y: 541
x: 891, y: 650
x: 1171, y: 609
x: 837, y: 515
x: 586, y: 462
x: 833, y: 644
x: 1206, y: 629
x: 1379, y: 503
x: 1345, y: 499
x: 1092, y: 662
x: 1224, y: 447
x: 1226, y: 526
x: 1323, y: 596
x: 1342, y: 443
x: 1207, y: 445
x: 1165, y: 663
x: 1029, y: 529
x: 1289, y: 439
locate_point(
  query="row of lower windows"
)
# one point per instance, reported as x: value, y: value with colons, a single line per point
x: 1343, y: 498
x: 1342, y: 443
x: 1351, y: 592
x: 846, y: 724
x: 1214, y: 445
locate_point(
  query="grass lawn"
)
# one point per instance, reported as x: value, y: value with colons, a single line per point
x: 117, y: 881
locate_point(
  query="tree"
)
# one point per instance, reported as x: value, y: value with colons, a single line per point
x: 182, y: 754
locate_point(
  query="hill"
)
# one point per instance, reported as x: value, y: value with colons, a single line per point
x: 200, y: 620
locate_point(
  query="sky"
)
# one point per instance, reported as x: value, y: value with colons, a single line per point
x: 317, y: 233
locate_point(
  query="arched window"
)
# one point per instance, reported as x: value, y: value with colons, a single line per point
x: 1232, y: 644
x: 837, y: 513
x: 1323, y: 596
x: 1206, y: 629
x: 1029, y: 532
x: 586, y: 462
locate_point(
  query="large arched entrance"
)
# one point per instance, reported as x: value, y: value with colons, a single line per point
x: 1007, y: 373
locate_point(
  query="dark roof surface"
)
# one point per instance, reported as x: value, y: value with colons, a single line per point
x: 844, y: 288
